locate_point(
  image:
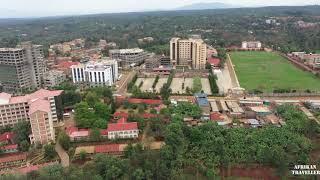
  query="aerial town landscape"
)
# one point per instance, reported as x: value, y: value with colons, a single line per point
x: 217, y: 93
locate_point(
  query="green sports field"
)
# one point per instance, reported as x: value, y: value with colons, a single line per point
x: 267, y: 71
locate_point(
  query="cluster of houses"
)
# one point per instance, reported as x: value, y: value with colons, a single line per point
x: 309, y: 59
x: 247, y: 112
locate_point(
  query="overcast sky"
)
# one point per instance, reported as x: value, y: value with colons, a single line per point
x: 18, y: 8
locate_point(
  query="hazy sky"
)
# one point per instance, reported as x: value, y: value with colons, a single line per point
x: 63, y: 7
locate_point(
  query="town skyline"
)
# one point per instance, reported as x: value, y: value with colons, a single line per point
x: 36, y: 8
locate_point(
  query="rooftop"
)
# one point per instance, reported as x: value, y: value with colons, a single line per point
x: 214, y: 61
x: 39, y: 105
x: 40, y: 94
x: 13, y: 157
x: 202, y: 99
x: 120, y: 126
x: 123, y: 51
x: 8, y: 136
x: 260, y: 109
x: 145, y: 101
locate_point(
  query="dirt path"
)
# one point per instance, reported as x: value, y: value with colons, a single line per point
x: 233, y: 75
x: 65, y: 161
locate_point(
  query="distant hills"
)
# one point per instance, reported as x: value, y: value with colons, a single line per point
x: 201, y: 6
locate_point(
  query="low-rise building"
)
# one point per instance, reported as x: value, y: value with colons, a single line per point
x: 203, y: 103
x: 76, y: 134
x: 123, y: 130
x: 251, y: 45
x: 261, y: 110
x: 214, y: 62
x: 8, y: 161
x: 54, y: 78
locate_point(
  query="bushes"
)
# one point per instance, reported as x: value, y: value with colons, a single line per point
x: 213, y: 84
x: 197, y: 86
x: 165, y: 90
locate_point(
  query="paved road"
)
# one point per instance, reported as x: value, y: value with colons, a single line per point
x: 122, y: 89
x: 65, y: 161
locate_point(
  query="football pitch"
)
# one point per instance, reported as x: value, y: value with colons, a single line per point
x: 267, y: 71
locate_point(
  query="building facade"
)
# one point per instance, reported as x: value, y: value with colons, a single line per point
x: 129, y: 57
x: 188, y: 52
x: 96, y: 73
x: 123, y: 130
x: 54, y: 78
x: 251, y: 45
x: 21, y: 68
x: 42, y: 108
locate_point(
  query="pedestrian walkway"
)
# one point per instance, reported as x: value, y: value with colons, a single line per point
x: 65, y: 162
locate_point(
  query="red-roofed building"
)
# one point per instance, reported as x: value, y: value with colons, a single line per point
x: 123, y: 130
x: 108, y: 149
x: 216, y: 117
x: 12, y: 148
x: 12, y: 160
x: 65, y: 67
x: 145, y: 101
x: 7, y: 137
x: 76, y: 134
x: 214, y: 62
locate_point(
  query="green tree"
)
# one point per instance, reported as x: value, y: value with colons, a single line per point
x: 24, y: 146
x: 95, y: 135
x: 64, y: 140
x: 92, y: 99
x: 49, y: 151
x: 82, y: 155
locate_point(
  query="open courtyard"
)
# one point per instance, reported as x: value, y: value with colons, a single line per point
x: 267, y: 71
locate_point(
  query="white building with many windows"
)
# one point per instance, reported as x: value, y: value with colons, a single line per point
x: 96, y: 73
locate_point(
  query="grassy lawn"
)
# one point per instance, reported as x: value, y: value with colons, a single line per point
x: 267, y: 71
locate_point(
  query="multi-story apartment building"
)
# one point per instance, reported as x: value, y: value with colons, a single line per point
x: 96, y: 73
x: 251, y: 45
x: 54, y: 78
x: 21, y: 68
x: 42, y: 108
x: 129, y: 57
x: 188, y: 52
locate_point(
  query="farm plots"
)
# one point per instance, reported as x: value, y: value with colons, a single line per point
x: 180, y: 85
x: 160, y: 83
x: 145, y: 84
x: 266, y: 71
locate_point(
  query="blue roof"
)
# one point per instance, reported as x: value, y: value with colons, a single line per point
x: 202, y: 99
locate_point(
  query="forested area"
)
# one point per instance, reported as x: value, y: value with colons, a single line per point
x: 220, y: 28
x: 201, y: 150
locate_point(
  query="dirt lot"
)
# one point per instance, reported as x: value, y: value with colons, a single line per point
x: 206, y: 85
x: 147, y: 83
x: 160, y: 83
x: 176, y: 85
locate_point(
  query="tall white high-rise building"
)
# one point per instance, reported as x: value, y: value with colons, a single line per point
x: 188, y: 52
x: 103, y: 72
